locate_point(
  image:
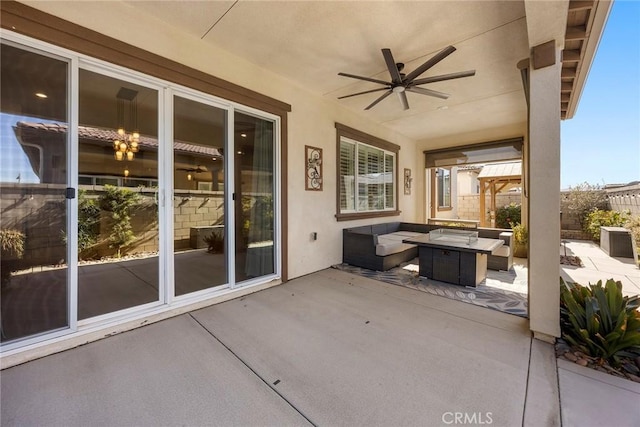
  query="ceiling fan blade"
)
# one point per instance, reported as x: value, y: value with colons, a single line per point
x: 423, y: 91
x: 364, y: 78
x: 378, y: 100
x: 362, y: 93
x: 391, y: 65
x: 430, y: 63
x: 404, y: 100
x: 443, y: 77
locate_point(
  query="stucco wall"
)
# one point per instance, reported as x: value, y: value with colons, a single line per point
x: 311, y: 122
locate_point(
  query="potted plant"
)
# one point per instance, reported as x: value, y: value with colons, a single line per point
x: 521, y: 238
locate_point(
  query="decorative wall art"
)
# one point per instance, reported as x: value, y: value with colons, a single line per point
x: 313, y: 158
x: 407, y: 181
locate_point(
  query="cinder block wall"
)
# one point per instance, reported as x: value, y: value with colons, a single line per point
x: 469, y: 205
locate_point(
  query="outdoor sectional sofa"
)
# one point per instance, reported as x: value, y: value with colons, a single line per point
x: 379, y: 246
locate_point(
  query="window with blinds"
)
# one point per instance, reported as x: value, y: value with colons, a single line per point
x: 372, y: 188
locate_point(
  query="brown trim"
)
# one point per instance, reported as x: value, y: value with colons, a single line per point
x: 363, y: 215
x: 42, y: 26
x: 39, y: 25
x: 365, y: 138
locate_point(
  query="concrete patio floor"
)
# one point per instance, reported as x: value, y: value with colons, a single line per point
x: 600, y: 266
x: 330, y: 348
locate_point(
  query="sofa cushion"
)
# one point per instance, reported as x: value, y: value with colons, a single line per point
x: 503, y: 250
x: 391, y: 244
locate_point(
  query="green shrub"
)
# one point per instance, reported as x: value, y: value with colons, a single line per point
x: 584, y: 198
x: 598, y: 218
x: 520, y: 233
x: 88, y: 221
x: 119, y: 202
x: 633, y: 225
x: 600, y: 321
x: 507, y: 214
x: 12, y: 243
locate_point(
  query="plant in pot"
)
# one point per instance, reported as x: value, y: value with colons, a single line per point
x: 521, y: 238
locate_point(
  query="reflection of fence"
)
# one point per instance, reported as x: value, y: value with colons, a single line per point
x: 38, y: 211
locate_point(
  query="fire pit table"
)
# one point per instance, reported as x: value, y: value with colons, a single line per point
x: 454, y: 256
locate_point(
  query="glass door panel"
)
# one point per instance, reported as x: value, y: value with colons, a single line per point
x: 199, y: 194
x: 117, y: 201
x: 254, y: 196
x: 34, y: 292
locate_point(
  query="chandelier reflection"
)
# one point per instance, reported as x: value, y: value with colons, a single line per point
x: 126, y: 144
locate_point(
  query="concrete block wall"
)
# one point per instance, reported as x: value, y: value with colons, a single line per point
x: 39, y: 212
x: 195, y: 209
x: 469, y: 205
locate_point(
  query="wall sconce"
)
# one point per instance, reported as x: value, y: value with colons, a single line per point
x: 189, y: 176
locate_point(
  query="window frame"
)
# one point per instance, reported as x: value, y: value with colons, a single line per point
x: 388, y: 148
x: 443, y: 207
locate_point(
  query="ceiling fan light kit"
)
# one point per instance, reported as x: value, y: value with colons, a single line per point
x: 402, y: 83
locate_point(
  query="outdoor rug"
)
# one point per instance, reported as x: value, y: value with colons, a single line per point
x: 486, y: 294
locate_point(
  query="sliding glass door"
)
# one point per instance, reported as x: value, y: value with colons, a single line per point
x: 121, y: 193
x: 199, y: 193
x: 34, y: 115
x: 118, y: 227
x: 254, y: 165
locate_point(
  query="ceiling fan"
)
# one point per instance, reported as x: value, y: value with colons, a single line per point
x: 402, y: 83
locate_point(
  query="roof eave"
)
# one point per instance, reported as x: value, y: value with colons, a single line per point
x: 601, y: 10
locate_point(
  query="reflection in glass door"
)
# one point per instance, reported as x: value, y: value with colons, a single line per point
x: 117, y: 201
x: 254, y: 196
x: 34, y: 292
x: 199, y: 193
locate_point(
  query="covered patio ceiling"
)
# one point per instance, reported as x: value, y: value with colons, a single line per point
x: 310, y: 42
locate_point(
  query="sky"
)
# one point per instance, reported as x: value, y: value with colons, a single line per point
x: 601, y: 143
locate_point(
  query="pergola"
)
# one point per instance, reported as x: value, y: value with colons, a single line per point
x: 495, y: 178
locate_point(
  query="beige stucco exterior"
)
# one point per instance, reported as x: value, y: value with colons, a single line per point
x: 312, y: 122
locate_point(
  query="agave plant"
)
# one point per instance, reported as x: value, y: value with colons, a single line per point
x: 600, y: 321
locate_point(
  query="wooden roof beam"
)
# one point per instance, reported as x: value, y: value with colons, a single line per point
x: 566, y: 87
x: 575, y: 5
x: 568, y: 73
x: 570, y: 55
x: 576, y: 33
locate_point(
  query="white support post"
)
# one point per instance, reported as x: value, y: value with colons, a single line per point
x: 546, y: 21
